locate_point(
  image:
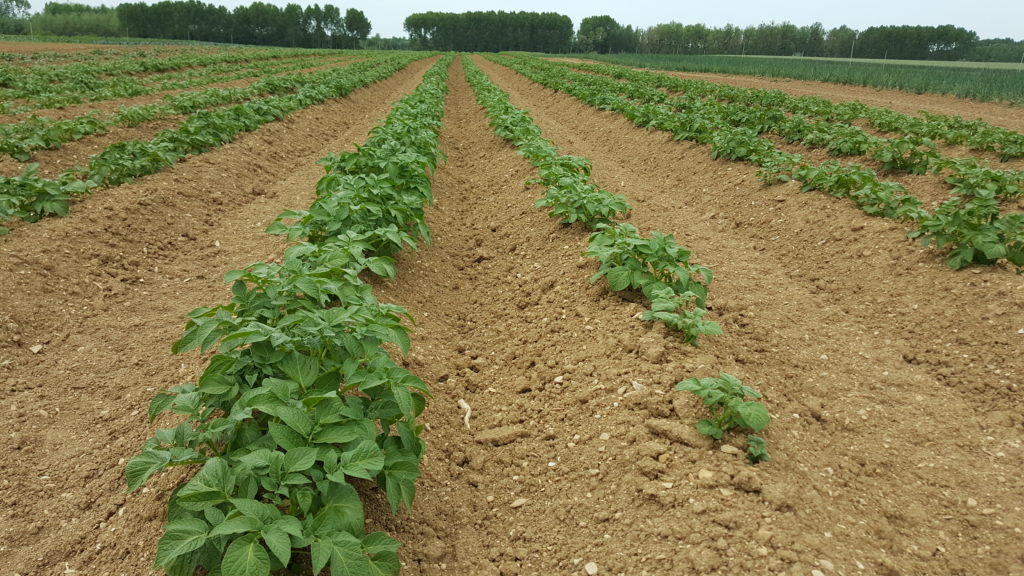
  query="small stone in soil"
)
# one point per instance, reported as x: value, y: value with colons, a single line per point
x: 590, y: 568
x: 519, y: 503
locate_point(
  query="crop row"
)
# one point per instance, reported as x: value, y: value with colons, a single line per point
x: 972, y: 80
x: 40, y: 78
x: 30, y: 197
x: 778, y: 110
x: 20, y: 139
x: 100, y: 54
x: 86, y: 86
x: 971, y: 222
x: 820, y: 123
x: 167, y: 81
x: 655, y: 266
x: 302, y: 395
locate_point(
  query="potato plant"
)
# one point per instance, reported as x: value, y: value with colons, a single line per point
x: 725, y: 398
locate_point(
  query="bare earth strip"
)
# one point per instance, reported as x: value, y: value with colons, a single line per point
x: 104, y: 293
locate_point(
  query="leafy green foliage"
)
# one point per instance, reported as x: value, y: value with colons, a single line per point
x: 739, y: 144
x: 969, y: 175
x: 630, y: 261
x: 861, y: 184
x: 302, y: 394
x: 30, y: 197
x: 840, y: 139
x: 911, y: 155
x: 572, y: 201
x: 570, y: 196
x: 756, y: 450
x: 778, y: 166
x: 20, y: 139
x: 725, y: 398
x: 975, y: 229
x: 51, y: 86
x: 677, y: 312
x: 661, y: 270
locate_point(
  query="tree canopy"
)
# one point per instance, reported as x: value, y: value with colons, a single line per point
x: 602, y: 34
x: 785, y: 39
x: 490, y: 31
x: 259, y: 23
x: 12, y: 13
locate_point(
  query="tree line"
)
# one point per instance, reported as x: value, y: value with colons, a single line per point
x: 326, y: 26
x: 527, y: 31
x: 259, y: 23
x: 603, y: 34
x: 490, y: 31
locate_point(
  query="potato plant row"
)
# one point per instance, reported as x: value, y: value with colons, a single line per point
x: 971, y: 223
x: 302, y: 398
x: 30, y: 197
x: 819, y: 123
x: 20, y: 139
x: 655, y: 266
x: 58, y: 86
x: 811, y: 113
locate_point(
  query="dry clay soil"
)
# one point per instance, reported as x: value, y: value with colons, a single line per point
x: 893, y: 382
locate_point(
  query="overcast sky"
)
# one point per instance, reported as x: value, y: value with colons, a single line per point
x: 989, y: 18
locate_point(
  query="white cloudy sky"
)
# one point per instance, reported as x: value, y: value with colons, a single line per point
x: 989, y: 18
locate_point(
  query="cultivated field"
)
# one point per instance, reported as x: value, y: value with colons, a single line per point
x: 555, y: 442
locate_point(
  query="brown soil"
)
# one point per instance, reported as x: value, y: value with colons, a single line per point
x: 893, y: 382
